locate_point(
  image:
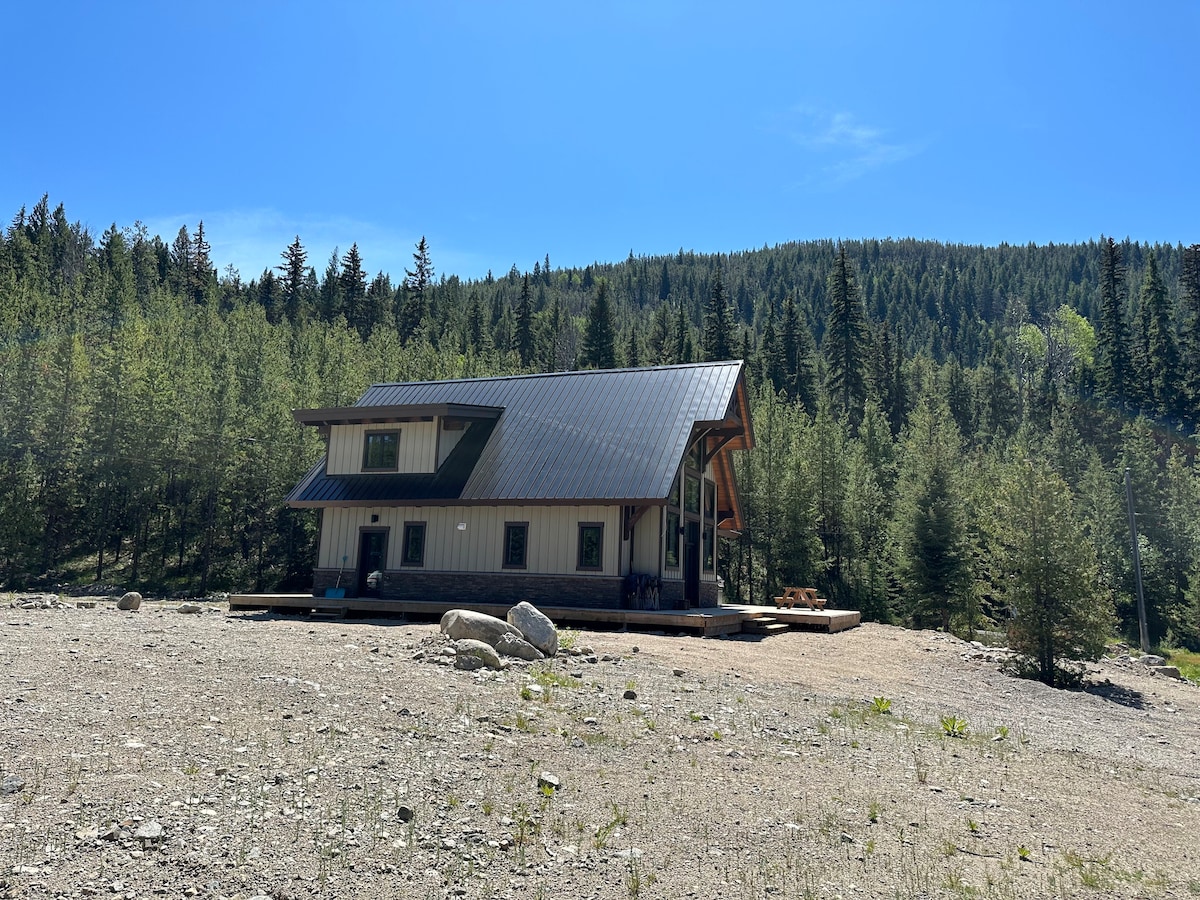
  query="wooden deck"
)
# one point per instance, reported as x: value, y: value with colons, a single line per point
x: 707, y: 622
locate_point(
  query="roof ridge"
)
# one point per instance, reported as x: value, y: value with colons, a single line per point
x: 569, y: 372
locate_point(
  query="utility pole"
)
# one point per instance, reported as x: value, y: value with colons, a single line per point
x: 1137, y: 565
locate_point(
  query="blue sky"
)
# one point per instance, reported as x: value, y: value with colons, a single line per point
x: 505, y: 131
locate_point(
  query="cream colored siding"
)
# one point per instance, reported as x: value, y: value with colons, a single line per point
x: 552, y: 543
x: 448, y: 440
x: 647, y: 542
x: 417, y: 448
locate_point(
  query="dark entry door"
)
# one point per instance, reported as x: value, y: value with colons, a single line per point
x: 372, y: 553
x: 691, y: 564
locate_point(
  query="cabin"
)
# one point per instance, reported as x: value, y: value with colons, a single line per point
x: 602, y: 488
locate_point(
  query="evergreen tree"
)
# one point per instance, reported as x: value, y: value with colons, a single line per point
x: 932, y: 561
x: 845, y: 340
x: 1189, y: 332
x: 1112, y: 363
x: 294, y: 269
x: 332, y: 305
x: 599, y: 351
x: 1048, y: 574
x: 682, y: 352
x: 524, y: 327
x: 1160, y: 358
x: 417, y: 282
x: 202, y: 277
x: 353, y: 284
x: 798, y: 351
x: 716, y: 343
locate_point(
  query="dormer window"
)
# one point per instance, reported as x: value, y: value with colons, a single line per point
x: 381, y: 451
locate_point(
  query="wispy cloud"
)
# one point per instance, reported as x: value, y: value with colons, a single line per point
x: 842, y: 148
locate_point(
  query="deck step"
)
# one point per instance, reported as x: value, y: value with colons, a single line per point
x: 334, y: 614
x: 763, y: 625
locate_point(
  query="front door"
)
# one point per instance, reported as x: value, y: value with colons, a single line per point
x: 372, y: 555
x: 691, y: 564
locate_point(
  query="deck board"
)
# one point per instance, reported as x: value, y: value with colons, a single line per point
x: 707, y: 621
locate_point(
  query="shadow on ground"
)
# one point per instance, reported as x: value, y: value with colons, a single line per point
x: 1118, y: 694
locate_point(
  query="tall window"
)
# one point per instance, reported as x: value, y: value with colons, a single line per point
x: 381, y: 451
x: 591, y: 545
x: 672, y: 539
x: 516, y: 538
x: 691, y: 494
x: 709, y: 557
x: 414, y: 544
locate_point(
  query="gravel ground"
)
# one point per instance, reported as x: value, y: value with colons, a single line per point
x: 152, y: 754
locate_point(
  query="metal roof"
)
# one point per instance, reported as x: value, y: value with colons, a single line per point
x: 608, y: 435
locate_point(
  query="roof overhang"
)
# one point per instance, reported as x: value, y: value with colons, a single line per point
x: 369, y: 415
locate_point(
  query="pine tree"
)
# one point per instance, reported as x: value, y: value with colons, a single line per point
x: 201, y: 278
x: 332, y: 305
x: 417, y: 282
x: 1047, y: 574
x: 523, y: 339
x: 1160, y: 358
x: 1189, y: 332
x: 718, y: 324
x: 845, y: 340
x: 1112, y: 363
x: 929, y: 533
x: 353, y: 284
x: 682, y: 351
x: 295, y: 260
x: 599, y: 351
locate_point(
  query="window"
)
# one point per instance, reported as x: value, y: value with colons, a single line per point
x: 381, y: 451
x: 691, y: 494
x: 672, y: 539
x: 708, y: 548
x: 673, y: 500
x: 591, y: 545
x: 710, y: 499
x: 516, y: 535
x: 414, y: 544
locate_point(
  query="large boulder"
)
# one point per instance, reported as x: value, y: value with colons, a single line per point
x: 511, y: 645
x: 535, y: 627
x: 472, y: 655
x: 130, y: 601
x: 459, y: 624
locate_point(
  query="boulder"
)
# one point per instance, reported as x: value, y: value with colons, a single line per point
x: 131, y: 600
x: 511, y: 645
x: 535, y: 627
x: 459, y: 624
x: 474, y: 654
x: 189, y: 608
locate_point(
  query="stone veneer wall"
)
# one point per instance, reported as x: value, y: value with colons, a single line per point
x: 586, y: 591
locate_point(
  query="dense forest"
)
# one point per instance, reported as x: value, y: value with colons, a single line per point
x: 931, y: 419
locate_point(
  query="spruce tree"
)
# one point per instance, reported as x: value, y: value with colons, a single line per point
x: 417, y: 281
x: 1160, y: 358
x: 599, y: 351
x: 1112, y: 350
x: 523, y: 339
x: 718, y: 324
x: 1189, y: 333
x: 1047, y: 574
x: 845, y: 340
x: 294, y: 269
x: 353, y: 284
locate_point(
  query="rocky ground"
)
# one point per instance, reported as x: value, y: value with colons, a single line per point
x: 151, y: 754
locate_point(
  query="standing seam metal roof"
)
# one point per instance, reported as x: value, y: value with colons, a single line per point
x: 607, y: 434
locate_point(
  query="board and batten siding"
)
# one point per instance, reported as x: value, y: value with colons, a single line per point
x: 648, y: 542
x: 418, y: 447
x: 552, y: 549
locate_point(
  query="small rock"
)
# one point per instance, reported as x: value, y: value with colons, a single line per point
x: 404, y: 813
x: 149, y: 831
x: 678, y: 673
x: 189, y: 608
x: 472, y: 654
x: 549, y: 780
x: 12, y: 784
x: 630, y: 694
x: 511, y: 645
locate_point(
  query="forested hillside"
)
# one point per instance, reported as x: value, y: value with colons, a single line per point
x: 915, y: 403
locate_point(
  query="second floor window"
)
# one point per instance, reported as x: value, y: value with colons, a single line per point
x: 381, y: 451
